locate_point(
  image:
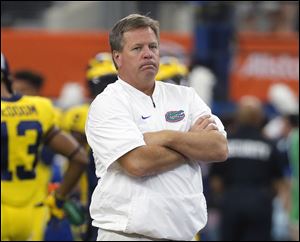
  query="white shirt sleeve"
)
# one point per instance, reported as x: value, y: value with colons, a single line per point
x: 199, y: 108
x: 110, y: 130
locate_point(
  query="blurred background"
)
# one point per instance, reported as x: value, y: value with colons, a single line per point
x: 231, y: 49
x: 243, y: 43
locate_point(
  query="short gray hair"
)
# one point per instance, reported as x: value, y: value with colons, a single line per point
x: 130, y: 22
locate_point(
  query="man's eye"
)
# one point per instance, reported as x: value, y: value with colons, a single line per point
x: 137, y: 48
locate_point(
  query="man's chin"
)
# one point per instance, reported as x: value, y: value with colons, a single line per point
x: 150, y: 74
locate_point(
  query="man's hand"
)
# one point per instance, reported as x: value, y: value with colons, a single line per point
x: 55, y: 205
x: 160, y: 138
x: 205, y: 122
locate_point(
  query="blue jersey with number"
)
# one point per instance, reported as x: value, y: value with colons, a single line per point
x: 24, y: 122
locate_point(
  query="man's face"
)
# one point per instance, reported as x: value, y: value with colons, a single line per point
x: 139, y: 60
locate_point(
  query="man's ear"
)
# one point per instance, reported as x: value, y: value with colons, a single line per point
x: 116, y: 57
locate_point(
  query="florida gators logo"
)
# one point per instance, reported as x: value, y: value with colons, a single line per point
x: 174, y: 116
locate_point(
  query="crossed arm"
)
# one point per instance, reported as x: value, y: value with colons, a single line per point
x: 168, y: 149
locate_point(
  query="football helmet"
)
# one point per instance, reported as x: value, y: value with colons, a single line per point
x: 100, y: 72
x: 5, y: 73
x: 171, y: 70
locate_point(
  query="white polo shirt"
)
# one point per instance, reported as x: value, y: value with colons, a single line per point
x: 168, y: 205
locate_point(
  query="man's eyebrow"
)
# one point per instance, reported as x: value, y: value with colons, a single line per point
x: 151, y: 43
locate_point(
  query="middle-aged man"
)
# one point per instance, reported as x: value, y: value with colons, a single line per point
x: 148, y: 138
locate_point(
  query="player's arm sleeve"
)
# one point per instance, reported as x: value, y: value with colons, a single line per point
x: 111, y: 131
x: 48, y: 117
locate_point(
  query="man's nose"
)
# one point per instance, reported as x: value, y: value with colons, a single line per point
x: 147, y: 53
